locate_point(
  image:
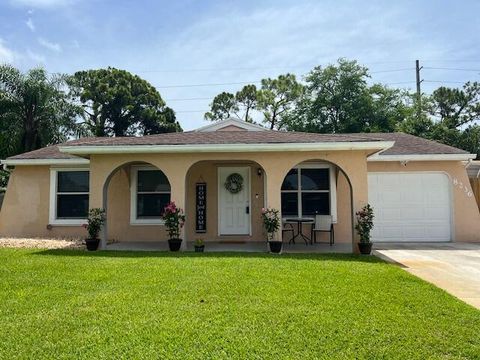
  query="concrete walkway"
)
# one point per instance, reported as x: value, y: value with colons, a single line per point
x: 454, y: 267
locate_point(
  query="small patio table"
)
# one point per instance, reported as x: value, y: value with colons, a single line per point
x: 300, y: 221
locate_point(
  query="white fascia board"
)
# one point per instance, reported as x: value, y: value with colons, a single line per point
x: 215, y: 148
x: 15, y: 162
x: 422, y: 157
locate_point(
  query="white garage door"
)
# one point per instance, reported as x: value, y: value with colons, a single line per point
x: 410, y: 207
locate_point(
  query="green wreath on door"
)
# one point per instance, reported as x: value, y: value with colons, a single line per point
x: 234, y: 183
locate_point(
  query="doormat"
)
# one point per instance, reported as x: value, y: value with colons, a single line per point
x: 232, y: 242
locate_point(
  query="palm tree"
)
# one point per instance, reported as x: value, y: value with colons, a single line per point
x: 34, y: 110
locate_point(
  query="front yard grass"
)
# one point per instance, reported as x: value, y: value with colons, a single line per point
x: 71, y: 304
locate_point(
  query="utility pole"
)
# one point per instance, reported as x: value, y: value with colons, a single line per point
x: 419, y: 92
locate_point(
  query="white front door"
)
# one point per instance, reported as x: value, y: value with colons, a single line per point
x: 233, y: 207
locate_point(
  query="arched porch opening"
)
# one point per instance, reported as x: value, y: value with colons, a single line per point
x: 134, y: 195
x: 319, y: 187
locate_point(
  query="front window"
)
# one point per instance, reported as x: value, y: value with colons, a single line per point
x: 308, y: 191
x: 150, y: 195
x: 69, y: 196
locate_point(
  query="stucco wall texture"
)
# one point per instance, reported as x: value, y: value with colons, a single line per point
x: 25, y: 211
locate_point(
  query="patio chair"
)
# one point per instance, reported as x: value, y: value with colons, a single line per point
x: 323, y: 223
x: 287, y: 228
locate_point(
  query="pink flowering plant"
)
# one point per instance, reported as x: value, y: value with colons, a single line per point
x: 271, y: 222
x: 364, y: 223
x: 174, y: 220
x: 96, y: 219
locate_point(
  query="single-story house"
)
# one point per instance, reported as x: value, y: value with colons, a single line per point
x: 419, y: 189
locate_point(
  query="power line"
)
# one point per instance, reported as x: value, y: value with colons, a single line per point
x: 210, y: 84
x: 189, y: 99
x: 224, y: 69
x: 191, y: 111
x: 391, y: 70
x: 444, y: 81
x: 452, y: 69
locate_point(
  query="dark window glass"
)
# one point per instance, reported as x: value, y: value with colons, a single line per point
x: 315, y: 203
x: 72, y: 206
x: 73, y: 181
x: 290, y: 204
x: 151, y: 205
x: 152, y: 181
x: 291, y: 180
x: 315, y: 179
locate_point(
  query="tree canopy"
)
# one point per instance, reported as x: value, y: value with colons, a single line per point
x: 338, y: 99
x: 450, y: 116
x: 34, y: 110
x: 118, y: 103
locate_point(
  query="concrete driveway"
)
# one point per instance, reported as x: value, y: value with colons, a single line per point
x: 454, y: 267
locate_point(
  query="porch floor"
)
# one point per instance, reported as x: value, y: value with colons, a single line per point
x: 233, y: 247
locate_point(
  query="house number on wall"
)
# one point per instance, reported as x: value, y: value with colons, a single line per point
x: 201, y: 208
x: 462, y: 187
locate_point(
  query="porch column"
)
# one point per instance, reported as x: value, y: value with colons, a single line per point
x: 358, y: 174
x: 177, y: 173
x: 274, y: 175
x: 97, y: 198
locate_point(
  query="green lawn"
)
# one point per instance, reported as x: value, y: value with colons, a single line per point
x: 73, y: 304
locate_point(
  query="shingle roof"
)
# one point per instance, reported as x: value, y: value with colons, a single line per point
x: 404, y: 144
x: 49, y: 152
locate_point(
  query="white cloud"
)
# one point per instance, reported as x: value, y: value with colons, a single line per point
x: 50, y: 45
x: 41, y: 3
x: 6, y: 55
x: 37, y: 58
x: 30, y: 24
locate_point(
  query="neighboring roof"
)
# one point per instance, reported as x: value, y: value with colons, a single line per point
x: 231, y: 122
x: 404, y: 146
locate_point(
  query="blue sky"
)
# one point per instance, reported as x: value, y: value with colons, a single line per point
x: 172, y: 43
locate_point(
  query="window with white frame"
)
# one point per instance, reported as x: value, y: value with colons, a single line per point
x: 309, y: 190
x: 150, y: 193
x: 69, y: 196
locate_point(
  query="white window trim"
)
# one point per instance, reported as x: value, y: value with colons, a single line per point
x: 133, y: 197
x: 53, y: 199
x: 332, y: 191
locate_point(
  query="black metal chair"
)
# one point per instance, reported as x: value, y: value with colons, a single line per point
x: 323, y: 223
x: 288, y: 228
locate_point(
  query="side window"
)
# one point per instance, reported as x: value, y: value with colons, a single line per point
x: 72, y: 193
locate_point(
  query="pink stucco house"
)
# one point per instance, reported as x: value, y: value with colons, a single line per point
x: 419, y: 188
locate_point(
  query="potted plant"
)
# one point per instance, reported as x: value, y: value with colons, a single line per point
x: 364, y: 226
x: 174, y: 220
x: 95, y: 221
x: 271, y: 222
x: 199, y: 245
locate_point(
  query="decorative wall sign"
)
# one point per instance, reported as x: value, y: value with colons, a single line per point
x: 201, y: 207
x: 234, y: 183
x: 462, y: 187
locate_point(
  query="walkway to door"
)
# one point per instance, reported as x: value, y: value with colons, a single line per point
x: 454, y: 267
